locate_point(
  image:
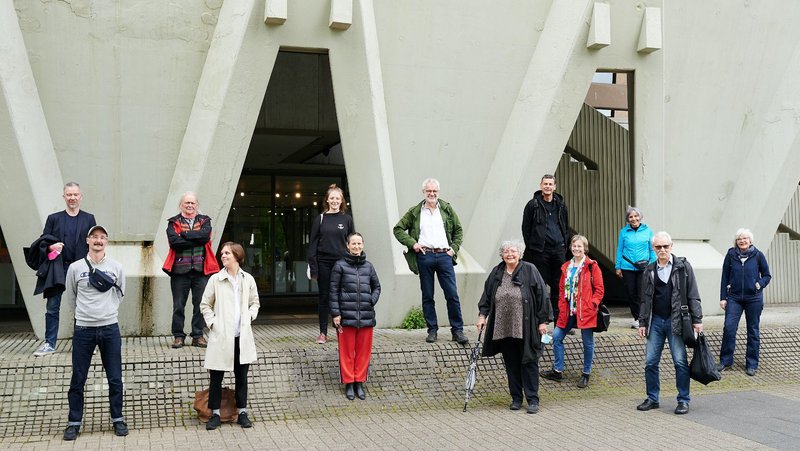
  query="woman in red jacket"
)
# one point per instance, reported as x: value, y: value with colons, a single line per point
x: 579, y: 297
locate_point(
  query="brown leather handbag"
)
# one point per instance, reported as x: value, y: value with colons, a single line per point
x: 227, y: 408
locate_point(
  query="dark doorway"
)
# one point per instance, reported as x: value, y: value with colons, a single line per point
x: 294, y: 155
x: 595, y: 174
x: 13, y: 315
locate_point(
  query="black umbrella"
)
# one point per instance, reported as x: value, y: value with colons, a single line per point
x: 472, y: 372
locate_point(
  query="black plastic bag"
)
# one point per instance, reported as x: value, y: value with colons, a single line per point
x: 703, y: 368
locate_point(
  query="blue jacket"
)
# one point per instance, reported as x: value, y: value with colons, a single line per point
x: 739, y: 278
x: 634, y: 244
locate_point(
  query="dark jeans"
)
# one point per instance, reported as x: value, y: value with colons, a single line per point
x: 442, y: 265
x: 51, y: 319
x: 660, y: 330
x: 240, y: 375
x: 181, y: 284
x: 521, y: 377
x: 733, y: 313
x: 324, y: 269
x: 549, y: 262
x: 633, y: 285
x: 84, y: 340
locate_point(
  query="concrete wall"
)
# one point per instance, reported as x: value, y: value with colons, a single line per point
x: 140, y: 101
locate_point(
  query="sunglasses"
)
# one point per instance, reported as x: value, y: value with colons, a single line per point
x: 662, y: 246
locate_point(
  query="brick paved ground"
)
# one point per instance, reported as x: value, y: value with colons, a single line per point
x: 415, y: 395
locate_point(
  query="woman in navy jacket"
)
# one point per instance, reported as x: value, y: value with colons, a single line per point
x: 745, y: 273
x: 355, y: 290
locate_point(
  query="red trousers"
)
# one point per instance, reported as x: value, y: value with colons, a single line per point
x: 355, y: 350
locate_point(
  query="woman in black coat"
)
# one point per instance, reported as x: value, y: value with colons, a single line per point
x: 515, y: 312
x: 355, y: 290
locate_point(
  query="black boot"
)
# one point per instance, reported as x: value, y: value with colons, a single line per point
x: 348, y: 392
x: 584, y: 380
x: 360, y: 391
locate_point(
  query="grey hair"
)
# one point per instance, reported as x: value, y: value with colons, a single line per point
x: 71, y: 185
x: 745, y: 232
x: 430, y: 181
x: 630, y: 210
x: 188, y: 193
x: 661, y: 234
x: 583, y: 241
x: 515, y: 243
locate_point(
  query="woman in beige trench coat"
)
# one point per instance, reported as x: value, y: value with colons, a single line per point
x: 229, y: 305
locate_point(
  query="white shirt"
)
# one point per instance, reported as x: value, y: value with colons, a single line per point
x: 237, y: 301
x: 431, y: 228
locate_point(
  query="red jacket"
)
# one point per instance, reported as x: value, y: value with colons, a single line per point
x: 210, y: 265
x: 588, y: 298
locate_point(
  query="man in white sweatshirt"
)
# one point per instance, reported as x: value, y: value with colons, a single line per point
x: 96, y: 325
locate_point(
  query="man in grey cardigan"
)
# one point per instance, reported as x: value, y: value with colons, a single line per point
x: 96, y: 325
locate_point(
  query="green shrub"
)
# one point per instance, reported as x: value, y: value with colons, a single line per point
x: 414, y: 319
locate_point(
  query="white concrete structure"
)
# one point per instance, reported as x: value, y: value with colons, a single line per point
x: 140, y: 101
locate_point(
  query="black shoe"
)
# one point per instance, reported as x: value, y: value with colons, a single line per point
x: 682, y: 409
x: 533, y: 408
x: 552, y: 375
x: 584, y: 380
x: 244, y: 421
x: 431, y: 336
x: 460, y: 338
x: 120, y: 428
x: 750, y: 372
x: 721, y: 367
x: 348, y: 392
x: 647, y: 405
x: 359, y: 386
x: 515, y: 405
x: 213, y: 422
x: 72, y: 432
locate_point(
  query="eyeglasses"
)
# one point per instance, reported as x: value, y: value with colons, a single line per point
x: 661, y: 246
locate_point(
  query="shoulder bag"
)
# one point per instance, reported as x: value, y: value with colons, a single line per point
x: 689, y: 339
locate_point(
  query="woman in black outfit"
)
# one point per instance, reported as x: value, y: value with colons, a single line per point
x: 328, y: 243
x: 515, y: 312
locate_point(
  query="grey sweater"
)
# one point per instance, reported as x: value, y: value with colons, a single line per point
x: 93, y: 308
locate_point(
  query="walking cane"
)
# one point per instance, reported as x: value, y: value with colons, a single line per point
x: 472, y: 372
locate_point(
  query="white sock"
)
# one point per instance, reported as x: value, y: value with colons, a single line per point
x: 215, y: 412
x: 242, y: 410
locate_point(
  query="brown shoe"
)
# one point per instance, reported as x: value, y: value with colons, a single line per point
x: 200, y: 342
x: 177, y: 343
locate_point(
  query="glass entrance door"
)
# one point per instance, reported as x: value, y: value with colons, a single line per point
x: 271, y: 217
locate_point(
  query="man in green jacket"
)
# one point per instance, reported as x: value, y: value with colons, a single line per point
x: 432, y: 233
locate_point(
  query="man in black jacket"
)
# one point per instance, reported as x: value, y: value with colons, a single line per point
x: 667, y: 285
x: 70, y: 226
x: 545, y: 230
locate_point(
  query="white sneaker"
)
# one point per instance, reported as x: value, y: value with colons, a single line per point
x: 45, y: 349
x: 635, y: 324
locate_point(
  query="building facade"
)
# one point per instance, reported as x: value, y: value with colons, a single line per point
x: 142, y: 101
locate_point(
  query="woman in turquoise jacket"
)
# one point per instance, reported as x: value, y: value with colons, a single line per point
x: 634, y: 253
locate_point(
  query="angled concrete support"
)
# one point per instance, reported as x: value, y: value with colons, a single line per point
x: 29, y: 171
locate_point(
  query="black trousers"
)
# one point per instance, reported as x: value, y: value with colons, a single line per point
x: 324, y: 269
x: 181, y: 285
x: 239, y: 372
x: 549, y: 262
x: 633, y: 285
x: 522, y: 378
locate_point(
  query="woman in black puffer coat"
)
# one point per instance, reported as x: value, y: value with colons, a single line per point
x: 355, y: 290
